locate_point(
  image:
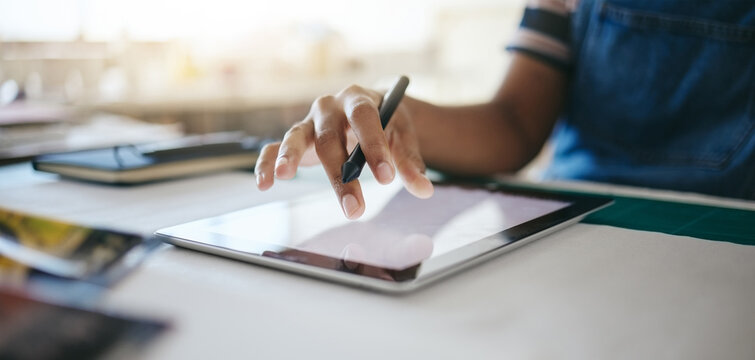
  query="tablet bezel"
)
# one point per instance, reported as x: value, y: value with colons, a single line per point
x: 405, y: 280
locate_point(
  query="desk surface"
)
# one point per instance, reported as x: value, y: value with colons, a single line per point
x: 586, y: 292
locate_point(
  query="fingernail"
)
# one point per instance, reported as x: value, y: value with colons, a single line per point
x: 279, y: 164
x: 384, y: 172
x: 350, y: 205
x: 259, y: 179
x: 281, y: 161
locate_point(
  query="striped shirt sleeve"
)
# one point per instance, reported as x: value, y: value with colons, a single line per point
x: 545, y: 31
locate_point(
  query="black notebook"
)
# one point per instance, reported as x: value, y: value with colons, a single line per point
x: 132, y: 164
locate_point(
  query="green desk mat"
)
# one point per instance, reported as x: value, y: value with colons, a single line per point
x: 670, y: 217
x: 700, y: 221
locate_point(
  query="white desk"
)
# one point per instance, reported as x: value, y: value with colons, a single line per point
x: 588, y: 292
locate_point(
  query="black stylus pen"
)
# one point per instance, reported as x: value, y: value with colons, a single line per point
x: 354, y: 164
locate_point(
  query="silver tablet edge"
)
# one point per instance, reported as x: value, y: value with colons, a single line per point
x: 367, y: 282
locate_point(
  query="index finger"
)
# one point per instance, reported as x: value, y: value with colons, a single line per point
x: 361, y: 111
x: 330, y: 145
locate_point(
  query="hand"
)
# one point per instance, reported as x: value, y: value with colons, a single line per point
x: 331, y: 130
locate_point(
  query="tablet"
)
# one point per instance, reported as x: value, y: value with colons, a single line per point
x: 34, y: 248
x: 399, y: 244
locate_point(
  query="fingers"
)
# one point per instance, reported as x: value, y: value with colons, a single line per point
x: 361, y: 110
x: 292, y: 148
x: 280, y: 159
x: 325, y: 131
x: 330, y: 145
x: 405, y: 149
x: 264, y: 169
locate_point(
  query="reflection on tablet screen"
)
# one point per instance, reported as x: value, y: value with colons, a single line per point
x: 397, y: 231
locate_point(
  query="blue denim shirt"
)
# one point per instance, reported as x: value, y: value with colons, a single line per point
x: 662, y: 94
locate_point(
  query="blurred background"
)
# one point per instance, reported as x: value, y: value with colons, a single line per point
x: 88, y: 73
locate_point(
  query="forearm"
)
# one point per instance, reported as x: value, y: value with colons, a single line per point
x: 501, y: 135
x: 469, y: 140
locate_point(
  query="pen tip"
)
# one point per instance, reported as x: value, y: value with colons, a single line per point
x: 349, y: 171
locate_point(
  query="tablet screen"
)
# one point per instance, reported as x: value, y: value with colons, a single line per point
x: 397, y: 231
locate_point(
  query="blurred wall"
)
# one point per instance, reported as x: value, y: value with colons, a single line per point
x: 250, y: 65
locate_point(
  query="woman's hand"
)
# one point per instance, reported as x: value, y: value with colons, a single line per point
x: 329, y: 133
